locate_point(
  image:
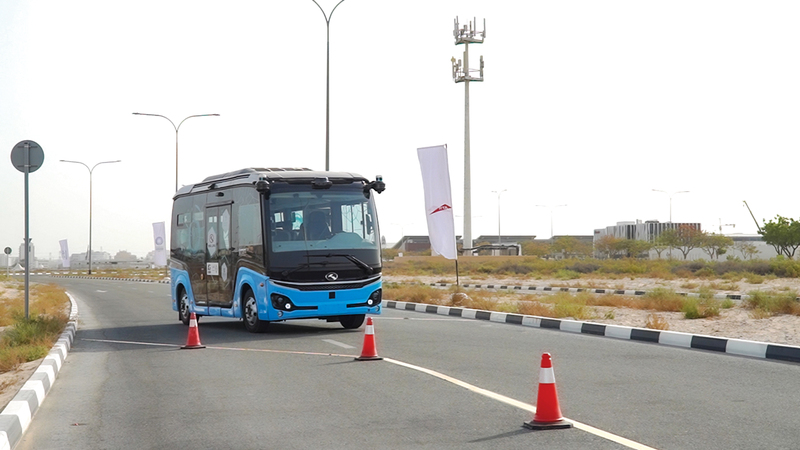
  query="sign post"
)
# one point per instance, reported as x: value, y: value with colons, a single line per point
x: 27, y: 157
x: 7, y: 251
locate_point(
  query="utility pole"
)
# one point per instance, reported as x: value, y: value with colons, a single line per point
x: 466, y: 35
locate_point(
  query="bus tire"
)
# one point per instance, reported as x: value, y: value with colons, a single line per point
x: 250, y: 314
x: 183, y: 307
x: 352, y: 322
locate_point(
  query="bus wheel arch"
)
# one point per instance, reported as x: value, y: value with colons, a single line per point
x: 250, y: 312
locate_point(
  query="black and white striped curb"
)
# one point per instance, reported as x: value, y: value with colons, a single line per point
x: 87, y: 277
x: 17, y: 415
x: 674, y: 338
x: 550, y: 290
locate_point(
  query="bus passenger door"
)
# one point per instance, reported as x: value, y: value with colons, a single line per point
x: 219, y: 283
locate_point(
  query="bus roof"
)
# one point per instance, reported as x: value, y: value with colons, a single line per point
x: 271, y: 175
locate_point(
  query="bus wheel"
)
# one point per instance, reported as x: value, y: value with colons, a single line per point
x: 183, y: 308
x: 352, y: 322
x: 251, y: 321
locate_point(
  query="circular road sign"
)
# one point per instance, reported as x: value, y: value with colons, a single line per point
x: 7, y: 250
x: 35, y: 156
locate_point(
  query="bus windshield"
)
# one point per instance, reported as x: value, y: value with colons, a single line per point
x: 339, y: 219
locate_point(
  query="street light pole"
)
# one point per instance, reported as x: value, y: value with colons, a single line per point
x: 551, y: 216
x: 176, y: 135
x: 499, y: 239
x: 327, y: 82
x: 670, y: 200
x: 90, y: 201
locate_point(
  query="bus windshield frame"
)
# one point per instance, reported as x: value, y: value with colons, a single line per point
x: 313, y: 230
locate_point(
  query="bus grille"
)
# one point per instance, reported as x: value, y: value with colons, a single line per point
x: 325, y: 286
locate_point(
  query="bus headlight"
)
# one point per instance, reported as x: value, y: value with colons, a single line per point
x: 375, y: 298
x: 281, y: 302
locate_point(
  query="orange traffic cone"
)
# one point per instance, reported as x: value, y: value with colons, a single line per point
x: 548, y: 413
x: 193, y: 341
x: 369, y: 352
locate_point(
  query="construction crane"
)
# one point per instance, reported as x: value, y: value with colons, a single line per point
x: 751, y: 215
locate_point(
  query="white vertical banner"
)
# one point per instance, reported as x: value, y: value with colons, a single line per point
x: 64, y: 253
x: 159, y: 239
x: 438, y: 201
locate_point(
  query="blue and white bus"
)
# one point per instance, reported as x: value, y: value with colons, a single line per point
x: 267, y: 245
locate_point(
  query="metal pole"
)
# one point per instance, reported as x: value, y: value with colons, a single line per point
x: 327, y: 81
x: 177, y: 128
x: 91, y: 170
x: 90, y: 220
x: 467, y: 178
x: 27, y: 231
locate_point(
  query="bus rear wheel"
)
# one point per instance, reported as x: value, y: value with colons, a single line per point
x: 352, y: 322
x: 250, y: 315
x: 183, y: 308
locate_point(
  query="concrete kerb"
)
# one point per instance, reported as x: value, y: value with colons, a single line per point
x: 553, y: 290
x: 738, y: 347
x: 17, y: 415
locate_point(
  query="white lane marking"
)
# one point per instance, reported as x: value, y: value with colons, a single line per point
x: 340, y: 344
x: 102, y: 292
x: 493, y: 395
x: 521, y: 405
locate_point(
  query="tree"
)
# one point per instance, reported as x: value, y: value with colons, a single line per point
x: 747, y: 249
x: 661, y: 242
x: 715, y: 244
x: 634, y: 248
x: 571, y: 247
x: 532, y: 248
x: 685, y: 238
x: 607, y: 245
x: 669, y: 239
x: 783, y: 235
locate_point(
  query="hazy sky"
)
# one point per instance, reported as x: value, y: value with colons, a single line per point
x: 592, y: 104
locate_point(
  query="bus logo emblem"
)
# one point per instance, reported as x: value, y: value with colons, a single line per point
x: 332, y: 276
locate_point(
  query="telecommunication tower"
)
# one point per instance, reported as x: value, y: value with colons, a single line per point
x: 468, y: 34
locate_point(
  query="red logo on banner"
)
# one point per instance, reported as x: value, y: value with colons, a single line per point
x: 441, y: 208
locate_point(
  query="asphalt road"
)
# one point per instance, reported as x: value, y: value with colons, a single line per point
x: 126, y: 384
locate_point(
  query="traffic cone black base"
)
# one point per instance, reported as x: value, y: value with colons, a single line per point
x: 561, y: 424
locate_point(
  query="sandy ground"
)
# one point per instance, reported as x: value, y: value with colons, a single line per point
x: 732, y: 323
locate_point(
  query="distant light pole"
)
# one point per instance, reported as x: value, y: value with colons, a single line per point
x: 90, y: 201
x: 670, y: 200
x: 552, y: 207
x: 328, y: 83
x: 499, y: 239
x: 176, y: 136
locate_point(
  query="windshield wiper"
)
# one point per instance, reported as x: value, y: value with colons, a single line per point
x: 361, y: 264
x: 287, y: 272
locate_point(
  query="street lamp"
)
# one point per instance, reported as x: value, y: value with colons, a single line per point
x: 328, y: 82
x: 670, y: 200
x: 551, y: 215
x: 176, y: 136
x: 499, y: 239
x: 90, y: 201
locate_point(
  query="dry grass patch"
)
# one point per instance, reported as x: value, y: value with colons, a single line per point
x: 770, y: 303
x: 29, y: 339
x: 656, y: 322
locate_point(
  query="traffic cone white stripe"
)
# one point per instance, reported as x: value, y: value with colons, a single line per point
x: 370, y: 329
x: 547, y: 376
